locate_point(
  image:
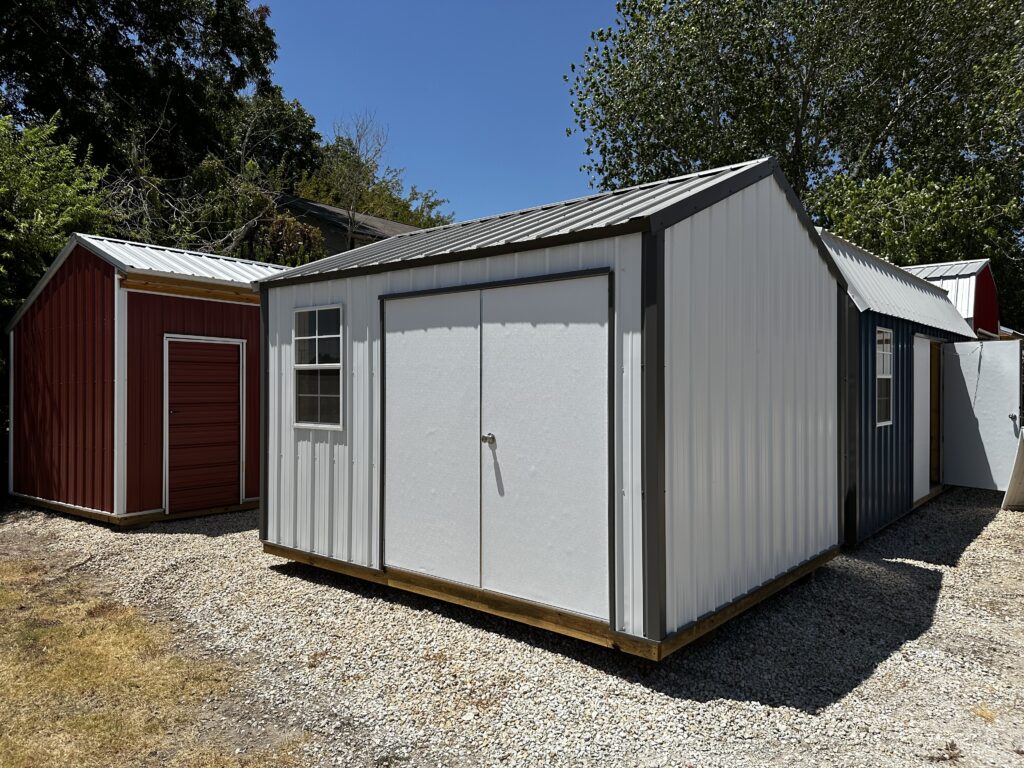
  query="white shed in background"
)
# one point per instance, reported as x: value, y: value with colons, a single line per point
x: 615, y: 417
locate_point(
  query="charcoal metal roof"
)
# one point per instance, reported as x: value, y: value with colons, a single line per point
x: 880, y: 286
x: 141, y: 258
x: 641, y: 208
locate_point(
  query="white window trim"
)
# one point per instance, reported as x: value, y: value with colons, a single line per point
x: 889, y: 376
x: 339, y: 366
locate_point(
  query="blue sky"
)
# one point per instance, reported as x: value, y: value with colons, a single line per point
x: 471, y: 92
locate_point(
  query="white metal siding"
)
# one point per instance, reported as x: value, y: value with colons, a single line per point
x: 323, y: 486
x: 961, y: 292
x: 750, y: 401
x: 921, y: 445
x: 980, y: 412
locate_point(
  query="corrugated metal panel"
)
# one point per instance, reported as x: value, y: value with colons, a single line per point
x: 961, y: 291
x: 947, y: 269
x: 173, y: 261
x: 64, y: 387
x: 750, y: 401
x: 204, y: 426
x: 885, y: 473
x: 956, y: 278
x: 150, y: 316
x: 323, y: 486
x: 981, y: 412
x: 600, y: 211
x: 875, y: 284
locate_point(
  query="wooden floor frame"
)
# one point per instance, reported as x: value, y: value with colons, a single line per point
x: 545, y: 617
x: 130, y: 520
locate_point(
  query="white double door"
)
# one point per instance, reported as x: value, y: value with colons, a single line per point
x: 525, y: 512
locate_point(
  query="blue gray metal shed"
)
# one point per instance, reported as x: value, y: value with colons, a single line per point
x: 891, y: 316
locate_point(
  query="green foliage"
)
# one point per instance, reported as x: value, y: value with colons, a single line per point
x: 352, y: 176
x: 285, y: 240
x: 46, y: 193
x: 417, y: 208
x: 153, y: 79
x: 217, y: 209
x: 901, y: 124
x: 910, y: 221
x: 278, y: 135
x: 678, y: 85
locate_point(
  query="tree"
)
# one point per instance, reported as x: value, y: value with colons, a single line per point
x: 153, y: 78
x: 216, y: 208
x: 679, y: 85
x: 352, y: 176
x: 280, y: 136
x: 910, y: 221
x: 46, y: 193
x: 884, y: 110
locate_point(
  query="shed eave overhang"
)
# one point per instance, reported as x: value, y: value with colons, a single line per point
x: 76, y: 240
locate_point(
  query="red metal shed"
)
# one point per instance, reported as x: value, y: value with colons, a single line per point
x: 135, y: 383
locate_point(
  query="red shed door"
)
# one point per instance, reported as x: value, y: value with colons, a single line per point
x: 204, y: 425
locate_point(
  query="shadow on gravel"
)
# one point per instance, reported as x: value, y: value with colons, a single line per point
x: 806, y: 647
x: 222, y: 524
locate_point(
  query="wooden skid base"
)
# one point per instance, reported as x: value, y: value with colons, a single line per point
x: 543, y: 616
x: 129, y: 521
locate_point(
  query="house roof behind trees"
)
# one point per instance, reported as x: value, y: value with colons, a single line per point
x: 365, y: 225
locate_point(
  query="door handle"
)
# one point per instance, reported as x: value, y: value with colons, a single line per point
x: 489, y: 438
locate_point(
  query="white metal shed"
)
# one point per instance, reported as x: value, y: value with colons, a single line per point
x: 615, y: 417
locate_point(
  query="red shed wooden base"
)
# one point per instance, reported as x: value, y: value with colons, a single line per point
x: 546, y: 617
x: 130, y: 521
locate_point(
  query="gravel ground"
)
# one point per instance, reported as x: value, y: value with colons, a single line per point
x: 908, y: 651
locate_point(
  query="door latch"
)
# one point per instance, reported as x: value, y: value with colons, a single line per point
x: 488, y: 439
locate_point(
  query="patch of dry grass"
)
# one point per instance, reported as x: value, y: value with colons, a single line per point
x: 87, y: 682
x: 985, y: 714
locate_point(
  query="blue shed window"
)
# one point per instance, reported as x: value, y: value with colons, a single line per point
x: 318, y: 353
x: 883, y: 377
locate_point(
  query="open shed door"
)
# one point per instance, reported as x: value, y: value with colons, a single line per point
x: 981, y: 403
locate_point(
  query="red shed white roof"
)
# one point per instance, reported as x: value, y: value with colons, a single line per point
x: 129, y: 257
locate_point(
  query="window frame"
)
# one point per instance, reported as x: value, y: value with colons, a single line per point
x: 339, y: 366
x: 887, y: 376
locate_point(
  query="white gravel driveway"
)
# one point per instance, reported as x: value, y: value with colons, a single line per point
x: 884, y: 657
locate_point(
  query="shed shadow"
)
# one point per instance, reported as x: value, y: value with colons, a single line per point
x: 960, y: 413
x: 211, y: 526
x: 806, y: 647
